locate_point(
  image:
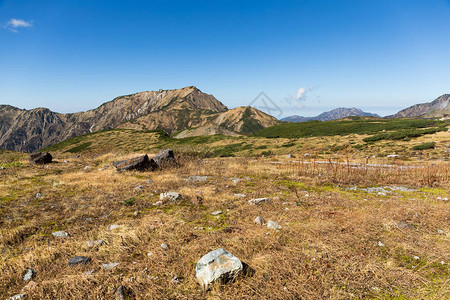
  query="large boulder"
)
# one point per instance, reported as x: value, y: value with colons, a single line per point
x: 140, y: 163
x: 40, y: 158
x: 164, y: 158
x: 217, y: 266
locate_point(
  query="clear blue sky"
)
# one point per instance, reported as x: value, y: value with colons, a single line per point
x: 307, y: 56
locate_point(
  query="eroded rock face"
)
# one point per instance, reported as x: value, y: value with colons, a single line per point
x: 164, y: 158
x: 140, y: 163
x: 217, y: 266
x: 40, y: 158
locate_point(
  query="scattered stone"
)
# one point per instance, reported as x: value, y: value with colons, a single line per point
x: 240, y: 195
x: 90, y: 272
x: 196, y: 178
x: 416, y: 257
x: 380, y: 244
x: 122, y: 293
x: 404, y: 225
x: 237, y: 180
x: 112, y: 227
x: 136, y: 213
x: 290, y: 156
x: 86, y: 168
x: 158, y: 203
x: 393, y: 156
x: 2, y: 168
x: 38, y: 195
x: 140, y: 163
x: 17, y: 297
x: 164, y: 246
x: 40, y: 158
x: 138, y: 189
x: 163, y: 159
x: 29, y: 274
x: 95, y: 243
x: 177, y: 279
x: 259, y: 220
x: 170, y: 196
x: 273, y: 225
x: 60, y: 234
x: 216, y: 213
x: 109, y: 266
x: 258, y: 201
x: 440, y: 231
x: 149, y: 254
x: 148, y: 181
x: 217, y: 266
x: 79, y: 260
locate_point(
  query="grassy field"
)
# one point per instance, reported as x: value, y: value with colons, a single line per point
x: 350, y: 228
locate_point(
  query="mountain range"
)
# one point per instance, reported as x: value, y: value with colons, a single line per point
x: 338, y: 113
x: 184, y: 112
x: 438, y: 108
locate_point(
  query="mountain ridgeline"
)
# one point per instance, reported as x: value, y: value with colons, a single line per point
x: 438, y: 108
x: 174, y: 111
x: 334, y: 114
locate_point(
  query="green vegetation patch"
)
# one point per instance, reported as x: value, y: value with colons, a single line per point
x: 424, y: 146
x: 79, y: 148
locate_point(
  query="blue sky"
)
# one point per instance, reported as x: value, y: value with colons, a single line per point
x: 307, y: 56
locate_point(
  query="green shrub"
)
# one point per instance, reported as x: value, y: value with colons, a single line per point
x: 424, y: 146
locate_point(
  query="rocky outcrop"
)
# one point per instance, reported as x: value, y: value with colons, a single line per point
x: 438, y: 108
x: 140, y: 163
x: 335, y: 114
x: 40, y: 158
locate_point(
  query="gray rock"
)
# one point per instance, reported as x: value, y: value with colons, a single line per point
x: 140, y: 163
x: 177, y: 279
x: 60, y: 234
x: 29, y: 274
x: 273, y: 225
x: 259, y: 220
x: 79, y: 260
x: 158, y: 203
x: 138, y: 189
x: 216, y: 213
x: 240, y: 195
x: 95, y: 243
x: 258, y: 201
x: 404, y: 225
x: 170, y: 196
x: 164, y: 158
x: 120, y: 293
x: 38, y: 195
x: 164, y: 246
x: 113, y: 226
x: 109, y: 266
x: 197, y: 178
x: 17, y: 297
x: 217, y: 266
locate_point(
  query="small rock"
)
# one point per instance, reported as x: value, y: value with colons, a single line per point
x: 216, y: 213
x: 109, y: 266
x: 416, y: 257
x: 158, y: 203
x: 380, y: 244
x: 273, y: 225
x: 170, y: 196
x: 38, y: 195
x: 196, y: 178
x: 240, y: 195
x: 164, y: 246
x: 177, y: 279
x: 164, y: 158
x: 29, y: 274
x: 86, y: 167
x: 258, y: 201
x: 404, y: 225
x: 148, y: 181
x: 259, y: 220
x: 2, y: 168
x: 149, y: 254
x: 17, y: 297
x: 217, y: 266
x: 136, y: 213
x: 440, y: 231
x: 79, y: 260
x: 60, y: 234
x: 112, y: 227
x: 138, y: 189
x: 90, y: 272
x: 95, y: 243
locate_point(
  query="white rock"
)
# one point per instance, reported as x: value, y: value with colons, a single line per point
x: 17, y: 297
x: 217, y: 212
x: 273, y: 225
x: 112, y: 227
x: 416, y: 257
x: 258, y: 201
x: 380, y: 244
x: 440, y: 231
x: 109, y: 266
x: 158, y: 203
x: 29, y: 274
x: 60, y: 234
x: 164, y: 246
x: 259, y: 220
x: 240, y: 195
x: 217, y: 266
x: 38, y: 195
x: 169, y: 196
x: 95, y: 243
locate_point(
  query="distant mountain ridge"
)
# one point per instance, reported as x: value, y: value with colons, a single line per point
x: 335, y: 114
x: 435, y: 109
x: 170, y: 110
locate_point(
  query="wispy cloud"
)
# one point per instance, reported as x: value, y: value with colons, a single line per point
x: 15, y: 24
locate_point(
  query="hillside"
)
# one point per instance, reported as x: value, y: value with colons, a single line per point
x: 169, y: 110
x: 435, y: 109
x: 335, y: 114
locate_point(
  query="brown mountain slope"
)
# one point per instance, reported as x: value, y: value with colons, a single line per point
x: 438, y: 108
x: 30, y: 130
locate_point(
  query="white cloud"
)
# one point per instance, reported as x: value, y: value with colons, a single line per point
x: 301, y: 93
x: 14, y: 24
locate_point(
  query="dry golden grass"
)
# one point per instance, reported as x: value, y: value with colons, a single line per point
x: 327, y: 247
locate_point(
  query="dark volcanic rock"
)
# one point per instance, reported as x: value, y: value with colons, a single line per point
x: 140, y: 163
x: 79, y: 260
x: 164, y: 158
x: 40, y: 158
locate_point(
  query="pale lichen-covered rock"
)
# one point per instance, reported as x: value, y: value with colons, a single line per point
x: 258, y: 201
x: 217, y: 266
x: 169, y: 196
